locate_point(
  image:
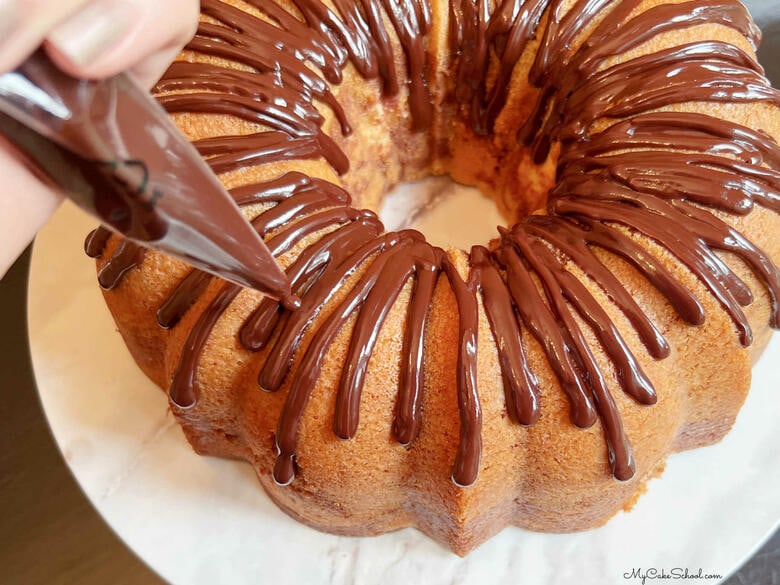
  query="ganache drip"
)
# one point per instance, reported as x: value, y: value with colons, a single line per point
x: 607, y: 178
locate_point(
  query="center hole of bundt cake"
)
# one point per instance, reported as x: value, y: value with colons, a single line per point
x: 448, y: 214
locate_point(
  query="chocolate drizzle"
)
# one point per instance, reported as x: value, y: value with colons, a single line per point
x: 627, y: 161
x: 126, y: 256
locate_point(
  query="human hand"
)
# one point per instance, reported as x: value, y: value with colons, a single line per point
x: 88, y: 39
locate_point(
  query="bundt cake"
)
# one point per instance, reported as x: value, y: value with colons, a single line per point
x: 537, y: 380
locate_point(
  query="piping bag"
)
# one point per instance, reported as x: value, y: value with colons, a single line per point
x: 111, y: 148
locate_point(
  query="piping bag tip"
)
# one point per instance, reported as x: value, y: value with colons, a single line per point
x: 114, y: 151
x: 228, y: 248
x: 291, y: 302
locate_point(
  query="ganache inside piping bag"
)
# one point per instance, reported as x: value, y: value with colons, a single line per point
x: 112, y: 149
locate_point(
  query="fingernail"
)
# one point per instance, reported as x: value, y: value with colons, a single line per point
x: 92, y: 31
x: 8, y: 16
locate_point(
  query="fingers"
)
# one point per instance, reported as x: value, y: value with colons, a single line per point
x: 98, y: 38
x: 25, y: 23
x: 109, y: 36
x: 25, y: 205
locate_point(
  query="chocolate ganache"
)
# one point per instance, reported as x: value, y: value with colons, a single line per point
x: 662, y: 173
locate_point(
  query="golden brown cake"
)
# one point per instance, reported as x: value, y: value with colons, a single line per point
x: 537, y: 380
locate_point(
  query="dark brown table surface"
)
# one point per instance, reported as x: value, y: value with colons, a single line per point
x: 51, y: 535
